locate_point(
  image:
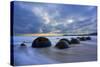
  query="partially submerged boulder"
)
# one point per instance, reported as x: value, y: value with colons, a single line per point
x: 88, y: 38
x: 23, y: 44
x: 82, y: 38
x: 64, y: 39
x: 75, y: 41
x: 62, y: 44
x: 41, y: 42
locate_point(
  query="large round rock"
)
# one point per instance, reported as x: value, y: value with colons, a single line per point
x: 41, y: 42
x: 62, y: 44
x: 64, y: 39
x: 75, y: 41
x: 82, y: 38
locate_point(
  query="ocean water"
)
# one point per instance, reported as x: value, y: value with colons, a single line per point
x: 29, y: 39
x: 85, y: 51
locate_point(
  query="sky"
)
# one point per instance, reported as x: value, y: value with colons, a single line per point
x: 33, y: 17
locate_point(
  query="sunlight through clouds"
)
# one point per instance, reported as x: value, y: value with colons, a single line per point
x: 70, y: 21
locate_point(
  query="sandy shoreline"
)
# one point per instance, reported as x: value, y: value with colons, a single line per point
x: 86, y: 51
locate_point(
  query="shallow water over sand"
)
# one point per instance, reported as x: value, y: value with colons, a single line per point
x: 85, y: 51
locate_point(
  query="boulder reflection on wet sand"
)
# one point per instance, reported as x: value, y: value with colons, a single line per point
x: 75, y: 41
x: 41, y: 42
x: 62, y: 44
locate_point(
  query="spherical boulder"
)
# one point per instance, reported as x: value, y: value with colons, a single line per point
x: 62, y: 44
x: 82, y: 38
x: 88, y: 38
x: 64, y: 39
x: 75, y: 41
x: 41, y: 42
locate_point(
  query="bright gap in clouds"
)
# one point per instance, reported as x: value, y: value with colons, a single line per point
x: 70, y: 20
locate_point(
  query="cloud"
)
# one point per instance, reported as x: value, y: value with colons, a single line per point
x: 41, y: 13
x: 52, y: 18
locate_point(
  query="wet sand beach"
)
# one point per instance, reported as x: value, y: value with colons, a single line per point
x: 26, y: 55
